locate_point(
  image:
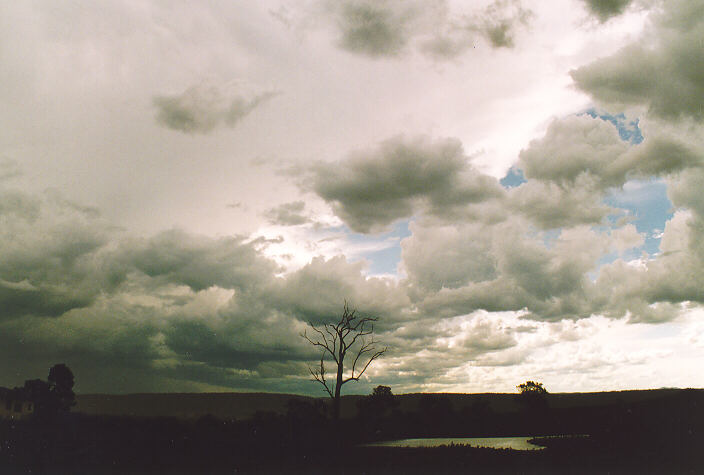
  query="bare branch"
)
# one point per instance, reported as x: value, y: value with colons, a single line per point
x: 339, y: 340
x: 372, y: 358
x: 362, y: 331
x: 325, y: 345
x: 319, y: 376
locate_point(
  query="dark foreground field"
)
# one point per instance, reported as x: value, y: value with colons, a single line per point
x: 654, y: 432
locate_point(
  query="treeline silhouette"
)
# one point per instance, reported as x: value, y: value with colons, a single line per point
x: 659, y: 434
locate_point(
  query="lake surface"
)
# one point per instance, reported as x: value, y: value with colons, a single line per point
x: 515, y: 443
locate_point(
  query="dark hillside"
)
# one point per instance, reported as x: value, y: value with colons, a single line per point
x: 626, y: 432
x: 183, y: 405
x: 245, y: 405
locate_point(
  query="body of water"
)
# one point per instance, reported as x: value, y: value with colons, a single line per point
x: 515, y: 443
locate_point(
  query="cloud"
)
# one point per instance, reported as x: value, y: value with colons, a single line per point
x: 374, y: 28
x: 660, y: 72
x: 658, y: 76
x: 552, y: 206
x: 199, y: 262
x: 606, y: 9
x: 568, y: 171
x: 573, y: 148
x: 581, y: 159
x: 528, y: 271
x: 288, y: 214
x: 448, y: 256
x: 488, y: 276
x: 53, y: 255
x: 499, y: 21
x: 371, y: 189
x: 313, y: 293
x: 9, y: 169
x: 200, y: 109
x: 393, y: 28
x: 173, y: 310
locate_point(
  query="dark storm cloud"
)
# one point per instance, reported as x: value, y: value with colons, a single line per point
x: 288, y: 214
x: 605, y: 9
x: 662, y: 72
x: 52, y: 255
x: 149, y: 308
x: 199, y: 262
x: 200, y: 109
x: 197, y: 341
x: 370, y: 190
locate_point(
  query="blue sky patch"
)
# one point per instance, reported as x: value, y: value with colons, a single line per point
x: 628, y: 130
x: 386, y: 259
x: 514, y: 177
x: 649, y: 207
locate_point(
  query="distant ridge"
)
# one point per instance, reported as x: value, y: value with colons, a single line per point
x: 245, y: 405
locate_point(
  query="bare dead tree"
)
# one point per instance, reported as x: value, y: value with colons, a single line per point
x: 346, y: 338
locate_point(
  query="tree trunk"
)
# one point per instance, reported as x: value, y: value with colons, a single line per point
x: 336, y: 400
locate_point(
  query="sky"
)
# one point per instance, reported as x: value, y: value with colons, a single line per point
x: 512, y: 187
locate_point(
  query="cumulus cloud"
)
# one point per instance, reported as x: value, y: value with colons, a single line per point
x: 173, y: 310
x: 573, y: 148
x: 550, y: 205
x: 500, y: 20
x: 658, y: 75
x: 199, y: 262
x: 200, y: 109
x: 605, y: 9
x: 448, y: 256
x: 53, y: 255
x: 528, y: 271
x: 489, y: 278
x: 374, y: 28
x: 392, y: 28
x: 660, y: 72
x: 313, y: 292
x: 288, y: 214
x: 371, y: 189
x: 570, y: 170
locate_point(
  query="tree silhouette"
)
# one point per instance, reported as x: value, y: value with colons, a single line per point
x: 374, y: 410
x: 342, y: 341
x: 61, y: 386
x: 533, y: 396
x: 531, y: 387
